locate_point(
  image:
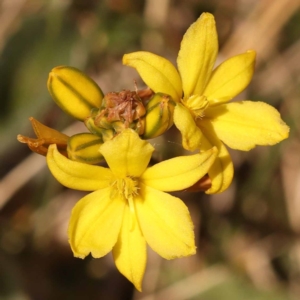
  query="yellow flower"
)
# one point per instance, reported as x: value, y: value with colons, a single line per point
x: 203, y: 114
x: 128, y: 207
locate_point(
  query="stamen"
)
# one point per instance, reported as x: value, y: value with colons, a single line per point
x: 128, y: 188
x: 197, y: 105
x: 132, y: 211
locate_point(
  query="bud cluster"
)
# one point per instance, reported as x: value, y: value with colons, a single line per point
x: 148, y: 114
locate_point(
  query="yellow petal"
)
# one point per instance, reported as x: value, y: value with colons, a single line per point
x: 184, y: 121
x: 74, y: 92
x: 130, y: 251
x: 76, y: 175
x: 95, y: 224
x: 157, y: 72
x: 230, y: 78
x: 221, y: 172
x: 243, y: 125
x: 166, y: 223
x: 127, y: 154
x: 197, y: 55
x: 180, y: 172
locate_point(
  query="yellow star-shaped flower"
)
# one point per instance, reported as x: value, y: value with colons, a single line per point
x: 128, y: 207
x: 203, y: 114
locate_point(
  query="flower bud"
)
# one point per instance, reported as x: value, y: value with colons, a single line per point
x: 74, y: 92
x: 159, y: 115
x: 83, y: 147
x: 103, y: 129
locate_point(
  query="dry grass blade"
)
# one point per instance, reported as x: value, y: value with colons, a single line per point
x: 192, y: 285
x: 260, y: 28
x: 26, y: 170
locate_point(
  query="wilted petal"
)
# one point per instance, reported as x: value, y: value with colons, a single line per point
x: 49, y: 134
x: 45, y: 137
x: 127, y: 154
x: 165, y: 223
x: 197, y: 55
x: 95, y: 223
x: 76, y: 175
x: 243, y: 125
x: 157, y: 72
x: 130, y: 251
x: 180, y: 172
x: 221, y: 172
x: 184, y: 121
x: 230, y: 78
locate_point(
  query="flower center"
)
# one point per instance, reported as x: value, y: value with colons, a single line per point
x: 197, y: 105
x: 128, y: 188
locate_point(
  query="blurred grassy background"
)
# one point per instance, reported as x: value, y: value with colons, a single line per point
x: 248, y: 237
